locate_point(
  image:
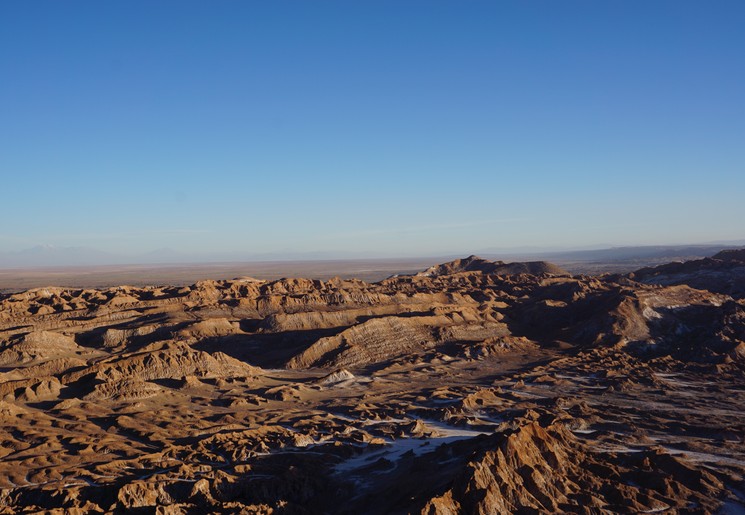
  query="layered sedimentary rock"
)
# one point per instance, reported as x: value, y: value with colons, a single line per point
x: 472, y: 387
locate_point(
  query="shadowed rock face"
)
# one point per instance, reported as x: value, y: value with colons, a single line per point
x: 472, y: 387
x: 722, y: 273
x: 477, y: 264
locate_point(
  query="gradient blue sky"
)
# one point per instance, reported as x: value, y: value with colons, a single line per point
x: 395, y: 127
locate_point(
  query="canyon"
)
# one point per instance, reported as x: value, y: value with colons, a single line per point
x: 473, y: 386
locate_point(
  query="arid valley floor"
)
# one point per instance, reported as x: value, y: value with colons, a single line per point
x: 470, y: 387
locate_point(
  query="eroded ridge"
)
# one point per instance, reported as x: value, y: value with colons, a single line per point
x: 471, y: 387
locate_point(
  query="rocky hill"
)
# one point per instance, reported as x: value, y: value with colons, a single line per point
x: 471, y: 387
x: 723, y: 273
x: 477, y: 264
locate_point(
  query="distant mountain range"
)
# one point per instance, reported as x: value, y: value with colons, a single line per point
x: 54, y: 256
x: 619, y: 259
x: 611, y: 254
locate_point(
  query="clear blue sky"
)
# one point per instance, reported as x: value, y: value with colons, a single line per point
x: 400, y: 127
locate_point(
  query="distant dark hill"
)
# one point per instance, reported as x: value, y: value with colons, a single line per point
x: 731, y: 255
x: 477, y: 264
x: 722, y: 273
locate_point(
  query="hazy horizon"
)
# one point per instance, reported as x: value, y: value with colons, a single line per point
x: 47, y: 256
x: 370, y: 128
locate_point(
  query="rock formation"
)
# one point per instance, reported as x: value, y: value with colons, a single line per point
x: 471, y: 387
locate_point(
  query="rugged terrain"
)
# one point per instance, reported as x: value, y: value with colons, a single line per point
x: 471, y: 387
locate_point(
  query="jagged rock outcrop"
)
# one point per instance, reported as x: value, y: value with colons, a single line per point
x: 537, y: 469
x: 472, y: 387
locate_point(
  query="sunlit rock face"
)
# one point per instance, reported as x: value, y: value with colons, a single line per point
x: 470, y: 387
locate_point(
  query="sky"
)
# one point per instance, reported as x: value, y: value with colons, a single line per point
x: 397, y: 128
